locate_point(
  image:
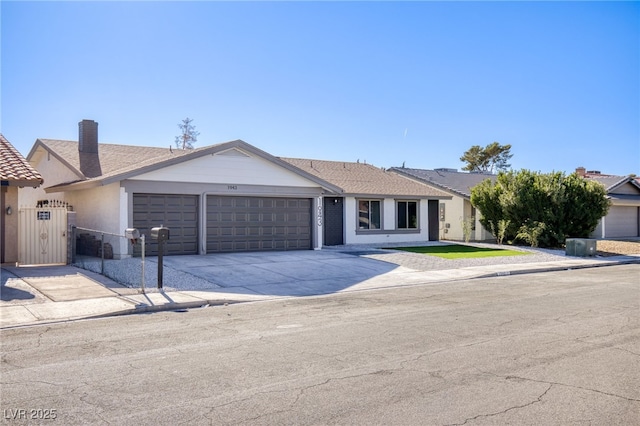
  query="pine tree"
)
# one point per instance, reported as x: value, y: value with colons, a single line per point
x: 189, y: 136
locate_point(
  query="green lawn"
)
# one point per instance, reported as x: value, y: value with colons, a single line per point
x: 456, y: 251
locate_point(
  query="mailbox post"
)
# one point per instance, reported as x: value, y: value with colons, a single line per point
x: 161, y: 234
x: 134, y: 235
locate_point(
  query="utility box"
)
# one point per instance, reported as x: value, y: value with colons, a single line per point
x: 160, y: 233
x: 580, y: 247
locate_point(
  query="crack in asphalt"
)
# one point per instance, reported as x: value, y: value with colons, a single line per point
x: 516, y: 407
x: 298, y: 396
x: 546, y: 382
x: 572, y: 386
x: 625, y: 350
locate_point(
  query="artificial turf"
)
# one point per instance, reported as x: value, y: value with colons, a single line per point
x: 456, y: 251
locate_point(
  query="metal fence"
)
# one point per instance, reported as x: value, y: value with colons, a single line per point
x: 100, y: 251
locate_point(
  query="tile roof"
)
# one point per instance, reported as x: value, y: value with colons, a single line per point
x: 364, y: 179
x: 459, y: 183
x: 14, y: 169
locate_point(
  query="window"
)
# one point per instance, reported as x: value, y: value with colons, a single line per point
x: 368, y: 214
x: 473, y: 218
x: 407, y: 215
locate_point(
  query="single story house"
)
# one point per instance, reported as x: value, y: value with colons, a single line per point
x: 455, y: 212
x: 374, y: 206
x: 223, y: 198
x: 623, y: 219
x: 15, y: 172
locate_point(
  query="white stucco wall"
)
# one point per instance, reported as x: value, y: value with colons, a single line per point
x: 233, y: 168
x: 53, y: 172
x: 103, y: 209
x: 455, y: 210
x: 453, y: 214
x: 352, y: 236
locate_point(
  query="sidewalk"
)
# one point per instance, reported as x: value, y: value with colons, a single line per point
x: 38, y: 295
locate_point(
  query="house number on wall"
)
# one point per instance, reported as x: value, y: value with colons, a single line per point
x: 319, y: 211
x: 232, y: 187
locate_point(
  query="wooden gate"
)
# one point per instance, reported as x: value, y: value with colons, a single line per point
x: 42, y: 238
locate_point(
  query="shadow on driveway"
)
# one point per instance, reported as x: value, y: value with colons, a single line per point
x: 290, y: 273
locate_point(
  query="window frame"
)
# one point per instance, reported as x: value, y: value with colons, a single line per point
x: 407, y: 216
x: 380, y: 202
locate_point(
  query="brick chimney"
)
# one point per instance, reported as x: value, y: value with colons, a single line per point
x: 581, y: 171
x: 88, y: 136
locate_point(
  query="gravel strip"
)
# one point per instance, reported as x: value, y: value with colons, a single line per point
x: 128, y: 272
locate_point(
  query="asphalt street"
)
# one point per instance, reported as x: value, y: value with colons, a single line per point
x: 550, y: 348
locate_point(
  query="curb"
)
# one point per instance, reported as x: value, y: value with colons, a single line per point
x: 558, y: 268
x: 143, y: 308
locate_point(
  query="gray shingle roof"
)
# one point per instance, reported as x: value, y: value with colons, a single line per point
x: 612, y: 182
x: 113, y: 159
x: 119, y: 162
x: 365, y: 179
x: 14, y: 169
x: 456, y: 182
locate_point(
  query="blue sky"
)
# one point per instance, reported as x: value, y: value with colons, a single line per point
x: 381, y: 82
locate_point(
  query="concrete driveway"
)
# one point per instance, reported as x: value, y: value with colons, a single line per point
x: 293, y: 273
x: 313, y: 272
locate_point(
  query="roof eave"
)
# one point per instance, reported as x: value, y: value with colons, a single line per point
x: 433, y: 184
x: 214, y: 149
x: 40, y: 143
x: 22, y: 183
x: 74, y: 186
x: 399, y: 196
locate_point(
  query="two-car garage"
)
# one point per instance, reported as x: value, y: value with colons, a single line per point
x: 233, y: 223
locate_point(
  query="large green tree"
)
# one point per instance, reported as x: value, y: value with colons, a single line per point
x: 542, y: 209
x: 491, y: 158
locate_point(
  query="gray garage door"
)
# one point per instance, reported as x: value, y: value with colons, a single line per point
x: 621, y: 222
x: 258, y: 224
x: 177, y: 212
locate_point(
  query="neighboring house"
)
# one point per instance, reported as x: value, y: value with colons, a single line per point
x: 15, y: 172
x: 375, y: 206
x: 221, y: 198
x: 455, y: 211
x: 623, y: 219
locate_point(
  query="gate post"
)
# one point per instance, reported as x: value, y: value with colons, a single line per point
x: 71, y: 237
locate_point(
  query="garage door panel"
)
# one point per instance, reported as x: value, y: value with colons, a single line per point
x: 622, y: 222
x: 177, y: 212
x: 257, y: 223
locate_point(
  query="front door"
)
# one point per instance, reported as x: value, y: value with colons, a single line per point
x: 434, y: 223
x: 333, y: 221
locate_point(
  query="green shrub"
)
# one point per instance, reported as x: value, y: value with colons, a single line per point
x: 541, y: 209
